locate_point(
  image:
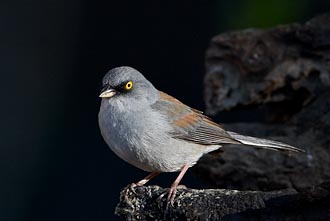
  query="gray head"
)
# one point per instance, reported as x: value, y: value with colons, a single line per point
x: 125, y: 86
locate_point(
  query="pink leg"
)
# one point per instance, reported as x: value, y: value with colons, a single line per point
x: 140, y: 183
x: 172, y: 190
x: 146, y: 179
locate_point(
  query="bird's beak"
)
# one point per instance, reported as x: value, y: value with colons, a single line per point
x: 107, y: 92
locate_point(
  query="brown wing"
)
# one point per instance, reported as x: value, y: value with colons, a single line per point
x: 190, y: 124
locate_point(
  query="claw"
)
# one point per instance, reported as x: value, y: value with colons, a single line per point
x: 172, y: 193
x: 161, y: 196
x: 130, y: 187
x: 171, y: 196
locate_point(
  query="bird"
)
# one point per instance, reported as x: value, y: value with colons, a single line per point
x: 156, y: 132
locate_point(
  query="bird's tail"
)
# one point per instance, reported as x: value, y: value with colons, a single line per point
x: 263, y: 143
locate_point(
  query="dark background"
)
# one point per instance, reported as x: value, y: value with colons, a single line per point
x: 54, y: 164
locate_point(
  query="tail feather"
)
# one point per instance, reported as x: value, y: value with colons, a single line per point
x: 263, y: 143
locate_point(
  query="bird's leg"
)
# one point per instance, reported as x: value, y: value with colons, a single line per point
x: 173, y: 189
x: 140, y: 183
x: 145, y: 180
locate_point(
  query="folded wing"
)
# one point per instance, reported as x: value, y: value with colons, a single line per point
x: 191, y: 125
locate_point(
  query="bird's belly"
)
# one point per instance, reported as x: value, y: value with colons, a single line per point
x: 149, y: 146
x: 169, y: 157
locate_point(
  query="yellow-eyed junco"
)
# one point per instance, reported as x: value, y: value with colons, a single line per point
x: 156, y: 132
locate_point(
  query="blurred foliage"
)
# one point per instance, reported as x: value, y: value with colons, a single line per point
x: 259, y: 13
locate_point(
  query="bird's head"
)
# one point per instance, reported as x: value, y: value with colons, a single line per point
x: 128, y: 87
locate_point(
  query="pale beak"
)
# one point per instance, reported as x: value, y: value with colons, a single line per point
x: 107, y: 93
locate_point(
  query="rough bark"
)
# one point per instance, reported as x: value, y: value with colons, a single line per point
x: 280, y: 80
x: 219, y: 204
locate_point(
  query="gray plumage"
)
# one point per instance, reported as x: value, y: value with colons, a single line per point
x: 155, y: 132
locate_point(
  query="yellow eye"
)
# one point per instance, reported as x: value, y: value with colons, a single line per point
x: 129, y: 85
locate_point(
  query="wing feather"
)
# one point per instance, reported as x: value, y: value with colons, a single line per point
x: 190, y: 124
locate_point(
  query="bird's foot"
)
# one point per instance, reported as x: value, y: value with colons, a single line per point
x: 140, y: 183
x: 129, y: 188
x: 171, y: 193
x: 133, y: 185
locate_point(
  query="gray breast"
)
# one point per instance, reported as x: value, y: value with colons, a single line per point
x: 137, y: 137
